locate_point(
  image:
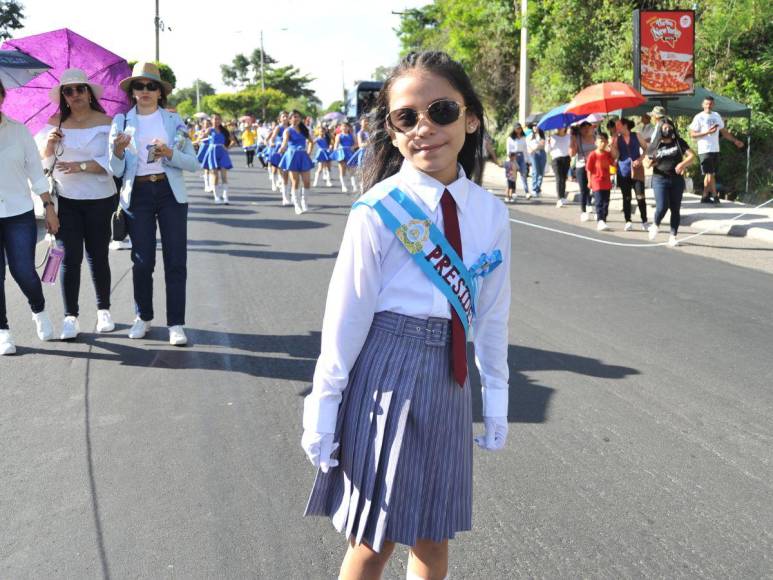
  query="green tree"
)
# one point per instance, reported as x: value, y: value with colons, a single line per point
x: 250, y: 101
x: 381, y: 73
x: 186, y: 108
x: 189, y: 93
x: 334, y: 107
x: 11, y: 17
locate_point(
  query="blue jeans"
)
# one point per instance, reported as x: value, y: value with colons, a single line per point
x: 520, y: 160
x: 601, y: 197
x: 18, y: 236
x: 153, y: 203
x: 538, y: 161
x: 668, y: 196
x: 583, y: 182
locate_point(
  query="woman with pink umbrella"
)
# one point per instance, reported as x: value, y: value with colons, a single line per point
x: 74, y: 145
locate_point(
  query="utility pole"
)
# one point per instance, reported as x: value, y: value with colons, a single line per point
x: 158, y: 28
x: 198, y: 96
x: 343, y: 84
x: 523, y: 88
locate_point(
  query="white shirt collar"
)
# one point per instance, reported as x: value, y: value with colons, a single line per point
x: 430, y: 190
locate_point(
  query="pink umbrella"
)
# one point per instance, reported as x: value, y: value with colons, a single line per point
x: 63, y: 49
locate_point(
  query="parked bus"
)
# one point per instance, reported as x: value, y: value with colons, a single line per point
x: 361, y: 98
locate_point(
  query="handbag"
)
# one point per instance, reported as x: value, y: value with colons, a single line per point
x: 118, y: 227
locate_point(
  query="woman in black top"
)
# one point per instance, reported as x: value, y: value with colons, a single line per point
x: 668, y: 155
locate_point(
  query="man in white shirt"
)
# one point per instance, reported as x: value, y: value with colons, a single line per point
x: 646, y: 131
x: 706, y: 128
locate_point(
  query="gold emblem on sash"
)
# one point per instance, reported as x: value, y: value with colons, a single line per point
x: 413, y: 235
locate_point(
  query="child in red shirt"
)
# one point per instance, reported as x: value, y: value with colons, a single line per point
x: 597, y: 165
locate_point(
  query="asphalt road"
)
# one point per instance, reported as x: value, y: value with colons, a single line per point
x: 641, y: 439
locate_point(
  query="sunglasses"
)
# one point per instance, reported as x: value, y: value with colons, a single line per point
x: 149, y: 86
x: 71, y: 90
x: 441, y: 112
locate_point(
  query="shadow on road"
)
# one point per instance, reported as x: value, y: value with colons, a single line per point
x: 266, y: 224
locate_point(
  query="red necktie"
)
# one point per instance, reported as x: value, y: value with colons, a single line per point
x: 458, y: 340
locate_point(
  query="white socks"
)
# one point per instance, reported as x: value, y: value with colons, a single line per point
x: 296, y: 202
x: 411, y: 576
x: 316, y: 179
x: 304, y: 207
x: 224, y: 192
x: 207, y: 182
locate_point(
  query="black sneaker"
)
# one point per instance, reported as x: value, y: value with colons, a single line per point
x: 716, y: 200
x: 705, y: 200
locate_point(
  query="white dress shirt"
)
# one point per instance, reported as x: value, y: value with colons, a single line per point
x: 82, y: 145
x: 20, y: 169
x: 374, y: 273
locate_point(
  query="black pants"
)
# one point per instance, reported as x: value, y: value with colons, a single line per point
x: 85, y: 224
x: 250, y: 156
x: 602, y: 203
x: 627, y: 183
x: 561, y: 171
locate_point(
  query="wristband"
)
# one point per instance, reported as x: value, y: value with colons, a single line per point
x: 46, y: 204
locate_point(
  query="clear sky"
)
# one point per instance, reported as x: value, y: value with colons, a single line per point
x: 326, y: 39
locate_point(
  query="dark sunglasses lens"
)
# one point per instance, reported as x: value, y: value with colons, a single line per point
x: 151, y: 86
x: 70, y: 91
x: 403, y: 119
x: 443, y: 112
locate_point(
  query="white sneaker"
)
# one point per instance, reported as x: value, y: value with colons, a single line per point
x: 528, y: 195
x: 297, y: 206
x: 645, y: 226
x: 328, y: 183
x: 43, y: 326
x: 602, y: 226
x: 104, y: 321
x: 559, y: 204
x: 70, y: 328
x: 139, y: 329
x: 225, y: 198
x: 672, y: 241
x: 122, y: 245
x: 628, y: 226
x: 7, y: 346
x: 584, y: 216
x: 177, y: 336
x: 653, y: 231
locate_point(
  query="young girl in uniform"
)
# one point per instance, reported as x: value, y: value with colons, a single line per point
x: 389, y: 418
x: 278, y: 177
x: 343, y: 149
x: 323, y: 155
x: 215, y: 159
x: 356, y: 159
x: 295, y: 159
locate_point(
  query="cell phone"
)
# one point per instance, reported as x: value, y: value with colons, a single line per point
x: 151, y: 153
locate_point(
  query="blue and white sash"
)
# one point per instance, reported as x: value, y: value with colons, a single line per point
x: 433, y: 254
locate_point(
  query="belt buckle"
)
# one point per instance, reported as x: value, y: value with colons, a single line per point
x: 153, y: 178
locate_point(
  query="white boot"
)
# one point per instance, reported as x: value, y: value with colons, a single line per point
x: 296, y: 202
x: 224, y: 191
x: 273, y: 181
x: 354, y: 184
x: 216, y: 194
x: 343, y: 185
x: 285, y: 200
x: 304, y: 207
x: 206, y: 182
x: 316, y: 179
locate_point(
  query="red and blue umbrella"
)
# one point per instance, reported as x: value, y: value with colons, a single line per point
x: 63, y: 49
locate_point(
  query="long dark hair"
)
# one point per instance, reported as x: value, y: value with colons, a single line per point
x: 514, y: 134
x: 65, y: 112
x: 223, y: 130
x: 161, y: 90
x: 382, y: 159
x: 302, y: 128
x: 2, y: 89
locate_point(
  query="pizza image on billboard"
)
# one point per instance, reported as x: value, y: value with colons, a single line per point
x: 667, y: 47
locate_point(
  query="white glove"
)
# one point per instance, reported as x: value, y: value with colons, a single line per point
x: 496, y: 434
x: 319, y: 447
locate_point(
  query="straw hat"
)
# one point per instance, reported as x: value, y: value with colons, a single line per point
x: 73, y: 76
x: 658, y: 112
x: 145, y: 70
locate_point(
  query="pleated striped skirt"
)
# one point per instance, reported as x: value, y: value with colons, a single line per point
x: 405, y: 433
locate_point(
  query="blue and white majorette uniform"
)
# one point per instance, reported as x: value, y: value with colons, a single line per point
x: 323, y: 154
x: 275, y: 156
x: 345, y: 148
x: 213, y: 154
x: 356, y: 159
x: 295, y: 157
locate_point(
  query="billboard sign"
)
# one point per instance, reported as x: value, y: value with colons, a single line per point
x: 664, y: 52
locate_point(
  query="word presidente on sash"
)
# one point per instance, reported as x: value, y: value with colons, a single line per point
x: 440, y: 261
